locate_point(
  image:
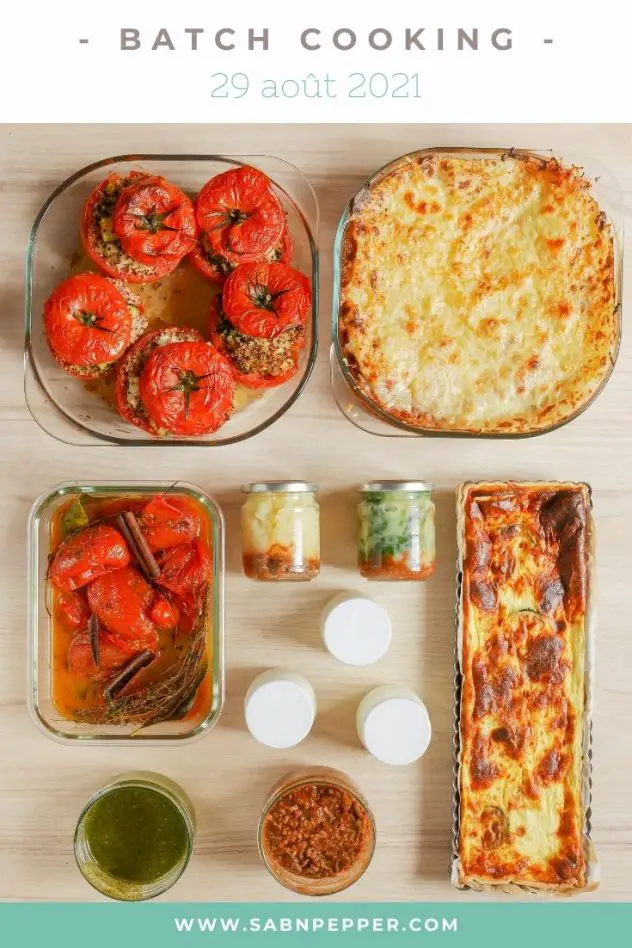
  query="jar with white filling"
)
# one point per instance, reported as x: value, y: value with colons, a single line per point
x: 281, y: 531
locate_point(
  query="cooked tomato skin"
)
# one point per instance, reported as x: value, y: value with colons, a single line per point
x: 240, y: 215
x: 187, y: 388
x: 164, y: 614
x: 121, y: 602
x: 252, y: 380
x: 87, y: 555
x: 72, y: 611
x: 133, y: 359
x: 153, y: 218
x: 185, y: 570
x: 87, y: 321
x: 166, y: 522
x: 90, y: 237
x: 285, y: 250
x: 113, y: 654
x: 212, y: 266
x: 263, y: 299
x: 208, y: 264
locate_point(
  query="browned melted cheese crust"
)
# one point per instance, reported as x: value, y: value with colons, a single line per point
x: 525, y: 569
x: 478, y: 294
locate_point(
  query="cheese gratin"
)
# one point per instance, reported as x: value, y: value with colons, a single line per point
x: 478, y: 294
x: 523, y: 629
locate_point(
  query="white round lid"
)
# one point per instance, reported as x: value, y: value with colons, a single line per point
x: 396, y: 729
x: 356, y: 630
x: 280, y: 708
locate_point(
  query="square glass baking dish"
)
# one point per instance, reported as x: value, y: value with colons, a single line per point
x: 62, y: 405
x: 351, y: 400
x: 40, y: 703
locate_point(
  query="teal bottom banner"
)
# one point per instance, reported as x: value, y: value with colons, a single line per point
x: 246, y: 925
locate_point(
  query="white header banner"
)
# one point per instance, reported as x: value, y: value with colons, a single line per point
x: 248, y: 61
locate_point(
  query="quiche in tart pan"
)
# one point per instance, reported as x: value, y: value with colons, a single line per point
x: 524, y: 685
x: 478, y: 293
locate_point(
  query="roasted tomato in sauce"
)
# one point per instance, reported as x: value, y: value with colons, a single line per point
x: 152, y: 219
x: 257, y: 362
x: 164, y: 614
x: 88, y: 324
x: 166, y: 522
x: 263, y: 299
x: 113, y: 654
x: 241, y: 216
x: 213, y: 266
x: 71, y: 611
x: 185, y: 571
x: 87, y: 555
x: 187, y: 388
x: 121, y: 602
x: 102, y: 244
x: 129, y: 368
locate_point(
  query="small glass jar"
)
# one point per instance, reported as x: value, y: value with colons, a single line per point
x: 351, y: 820
x: 113, y: 858
x: 396, y: 537
x: 281, y: 531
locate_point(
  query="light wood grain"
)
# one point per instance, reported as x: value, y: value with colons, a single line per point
x: 43, y: 785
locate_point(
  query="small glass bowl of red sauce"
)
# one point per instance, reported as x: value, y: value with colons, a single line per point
x: 316, y: 832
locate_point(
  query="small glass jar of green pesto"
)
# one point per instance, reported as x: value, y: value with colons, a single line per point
x: 396, y: 536
x: 134, y: 837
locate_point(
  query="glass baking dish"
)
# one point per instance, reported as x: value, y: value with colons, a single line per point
x: 355, y: 405
x: 40, y: 703
x: 61, y: 404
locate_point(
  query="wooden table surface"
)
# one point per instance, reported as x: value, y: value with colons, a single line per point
x: 43, y: 785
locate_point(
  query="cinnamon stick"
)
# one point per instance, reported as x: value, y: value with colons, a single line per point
x: 133, y: 535
x: 95, y: 645
x: 126, y: 673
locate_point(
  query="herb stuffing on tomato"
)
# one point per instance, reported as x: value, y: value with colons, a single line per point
x: 263, y: 299
x: 129, y: 369
x: 257, y: 362
x: 88, y: 324
x: 215, y: 267
x: 242, y: 218
x: 154, y: 219
x: 101, y: 243
x: 187, y: 388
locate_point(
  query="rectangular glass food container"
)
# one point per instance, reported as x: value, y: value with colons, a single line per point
x: 354, y: 404
x: 40, y: 703
x: 61, y: 404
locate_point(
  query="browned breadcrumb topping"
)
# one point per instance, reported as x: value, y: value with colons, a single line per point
x: 111, y: 250
x: 254, y: 355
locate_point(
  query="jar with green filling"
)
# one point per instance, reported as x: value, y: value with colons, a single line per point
x: 396, y: 532
x: 134, y: 838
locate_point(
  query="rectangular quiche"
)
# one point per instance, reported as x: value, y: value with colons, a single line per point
x: 523, y: 631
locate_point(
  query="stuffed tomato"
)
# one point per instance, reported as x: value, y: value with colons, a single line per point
x: 257, y: 362
x: 102, y: 242
x: 263, y: 299
x: 90, y: 321
x: 240, y: 215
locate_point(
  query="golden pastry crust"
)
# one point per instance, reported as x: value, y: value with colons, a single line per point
x: 479, y: 293
x: 523, y: 630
